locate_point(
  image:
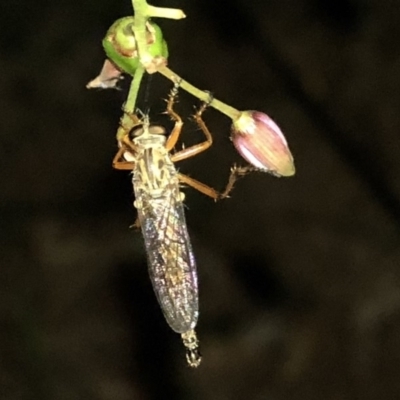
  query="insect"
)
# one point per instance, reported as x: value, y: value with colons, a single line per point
x: 145, y: 149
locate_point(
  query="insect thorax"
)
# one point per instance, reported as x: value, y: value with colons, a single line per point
x: 154, y: 172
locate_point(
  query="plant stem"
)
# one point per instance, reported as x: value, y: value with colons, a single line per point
x: 229, y: 111
x: 139, y: 27
x: 143, y: 12
x: 162, y: 12
x: 130, y: 103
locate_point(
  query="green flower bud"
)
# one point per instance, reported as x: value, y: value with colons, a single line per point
x: 120, y: 44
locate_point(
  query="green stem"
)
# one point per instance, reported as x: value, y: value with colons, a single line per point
x: 162, y: 12
x: 143, y: 12
x: 130, y: 103
x: 229, y: 111
x: 139, y: 28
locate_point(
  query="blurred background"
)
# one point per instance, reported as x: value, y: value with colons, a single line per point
x: 299, y: 277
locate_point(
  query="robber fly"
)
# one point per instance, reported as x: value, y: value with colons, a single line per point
x: 145, y: 150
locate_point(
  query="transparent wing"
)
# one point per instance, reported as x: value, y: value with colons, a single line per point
x: 172, y: 266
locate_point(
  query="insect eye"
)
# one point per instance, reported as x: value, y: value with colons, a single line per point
x: 136, y: 131
x: 157, y: 130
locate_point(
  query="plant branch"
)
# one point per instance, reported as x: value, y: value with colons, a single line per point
x: 229, y: 111
x: 130, y: 104
x: 143, y: 12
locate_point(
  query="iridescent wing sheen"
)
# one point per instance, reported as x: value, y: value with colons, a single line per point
x: 172, y: 266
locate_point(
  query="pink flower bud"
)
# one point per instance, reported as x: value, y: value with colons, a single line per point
x: 260, y: 142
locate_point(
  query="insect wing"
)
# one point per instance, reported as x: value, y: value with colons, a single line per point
x: 172, y: 265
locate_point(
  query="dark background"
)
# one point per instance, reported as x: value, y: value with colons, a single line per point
x: 299, y: 277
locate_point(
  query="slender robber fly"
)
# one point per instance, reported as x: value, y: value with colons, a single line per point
x: 146, y: 151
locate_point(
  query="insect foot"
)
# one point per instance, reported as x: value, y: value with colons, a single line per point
x: 204, y: 105
x: 242, y: 171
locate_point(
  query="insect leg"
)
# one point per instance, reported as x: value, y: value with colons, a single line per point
x: 174, y: 136
x: 136, y: 224
x: 201, y: 187
x: 197, y: 148
x: 120, y: 163
x: 236, y: 173
x: 128, y: 121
